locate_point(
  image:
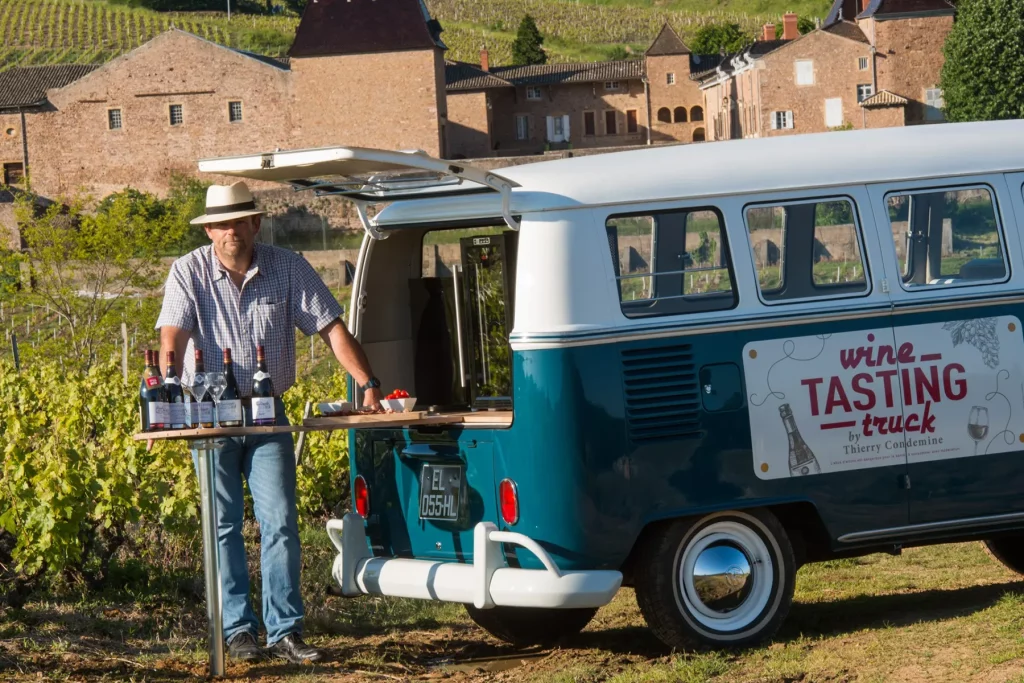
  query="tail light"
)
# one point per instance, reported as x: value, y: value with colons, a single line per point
x: 508, y: 496
x: 362, y: 497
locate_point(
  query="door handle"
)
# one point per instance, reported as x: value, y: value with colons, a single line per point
x: 422, y: 451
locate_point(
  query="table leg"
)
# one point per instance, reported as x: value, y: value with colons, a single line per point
x: 211, y: 555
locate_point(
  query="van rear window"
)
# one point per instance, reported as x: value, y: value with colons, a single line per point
x: 946, y: 237
x: 671, y: 262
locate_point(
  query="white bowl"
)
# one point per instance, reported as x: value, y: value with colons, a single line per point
x: 399, y: 405
x: 333, y: 407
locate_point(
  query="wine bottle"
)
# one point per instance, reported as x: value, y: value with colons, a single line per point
x: 174, y: 395
x: 263, y: 410
x: 203, y: 409
x: 152, y: 399
x: 229, y: 408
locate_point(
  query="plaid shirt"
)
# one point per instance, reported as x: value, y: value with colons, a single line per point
x: 281, y: 291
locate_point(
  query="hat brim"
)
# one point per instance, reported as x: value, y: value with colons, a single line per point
x: 207, y: 219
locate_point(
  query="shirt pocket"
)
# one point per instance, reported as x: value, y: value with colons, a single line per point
x: 270, y: 321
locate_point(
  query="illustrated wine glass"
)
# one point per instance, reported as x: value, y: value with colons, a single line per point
x: 977, y: 425
x: 216, y: 383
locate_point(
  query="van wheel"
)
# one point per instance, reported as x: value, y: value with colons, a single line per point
x: 1009, y: 550
x: 723, y: 580
x: 522, y: 626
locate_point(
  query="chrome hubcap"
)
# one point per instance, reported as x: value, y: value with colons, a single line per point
x: 722, y: 577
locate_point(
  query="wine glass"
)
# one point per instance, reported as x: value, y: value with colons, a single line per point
x: 216, y: 383
x: 977, y: 425
x: 197, y: 391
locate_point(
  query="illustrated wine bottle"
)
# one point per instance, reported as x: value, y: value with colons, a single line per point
x: 263, y: 411
x: 174, y: 396
x: 204, y: 408
x: 229, y: 408
x: 801, y: 458
x: 152, y: 401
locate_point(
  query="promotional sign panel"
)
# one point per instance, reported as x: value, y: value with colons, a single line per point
x: 885, y: 396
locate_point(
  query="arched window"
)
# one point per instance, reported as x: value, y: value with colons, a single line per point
x: 665, y: 115
x: 697, y: 114
x: 680, y: 114
x: 698, y: 135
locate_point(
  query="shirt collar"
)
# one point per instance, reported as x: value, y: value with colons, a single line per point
x: 221, y: 272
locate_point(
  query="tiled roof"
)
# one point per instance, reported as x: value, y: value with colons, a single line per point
x: 587, y: 72
x: 279, y: 62
x: 668, y: 42
x: 848, y: 29
x: 850, y: 9
x: 26, y: 86
x: 345, y: 27
x: 754, y: 50
x: 884, y: 98
x: 462, y: 76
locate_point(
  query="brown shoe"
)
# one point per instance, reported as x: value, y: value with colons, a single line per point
x: 295, y: 650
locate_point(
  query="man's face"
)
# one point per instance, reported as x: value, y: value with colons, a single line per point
x: 234, y: 238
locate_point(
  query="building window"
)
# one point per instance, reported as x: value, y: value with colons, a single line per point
x: 609, y: 123
x: 698, y: 135
x: 177, y: 115
x: 522, y: 127
x: 114, y: 121
x: 234, y: 112
x: 611, y: 85
x: 679, y: 115
x: 834, y: 112
x: 865, y: 91
x: 696, y: 113
x: 557, y: 128
x: 665, y: 115
x: 631, y: 121
x: 533, y: 92
x: 589, y: 123
x: 782, y: 120
x: 862, y: 63
x: 805, y: 72
x: 670, y: 78
x: 947, y: 236
x: 13, y: 173
x: 659, y: 267
x: 933, y: 105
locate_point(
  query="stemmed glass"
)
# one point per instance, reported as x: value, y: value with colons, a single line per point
x: 216, y: 383
x: 977, y: 425
x: 198, y: 391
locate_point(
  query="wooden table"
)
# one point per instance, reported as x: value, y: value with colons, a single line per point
x: 207, y: 441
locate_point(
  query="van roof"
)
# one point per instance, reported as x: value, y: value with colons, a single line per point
x: 742, y: 166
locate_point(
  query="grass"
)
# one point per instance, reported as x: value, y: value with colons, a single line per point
x: 944, y: 613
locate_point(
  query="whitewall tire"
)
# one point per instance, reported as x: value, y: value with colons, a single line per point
x: 723, y: 580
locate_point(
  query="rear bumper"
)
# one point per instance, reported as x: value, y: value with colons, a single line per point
x: 488, y: 582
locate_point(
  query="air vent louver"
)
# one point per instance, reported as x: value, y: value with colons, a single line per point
x: 662, y: 396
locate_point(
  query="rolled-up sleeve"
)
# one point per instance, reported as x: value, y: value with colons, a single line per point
x: 179, y: 307
x: 313, y: 305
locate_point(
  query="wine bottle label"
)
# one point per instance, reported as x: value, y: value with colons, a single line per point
x: 260, y: 376
x: 205, y: 412
x: 263, y: 411
x: 177, y: 413
x: 152, y: 381
x: 159, y: 413
x: 229, y: 411
x: 172, y: 380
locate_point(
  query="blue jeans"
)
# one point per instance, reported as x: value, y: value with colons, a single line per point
x: 268, y: 465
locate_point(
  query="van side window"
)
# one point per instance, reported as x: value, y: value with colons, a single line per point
x: 671, y: 262
x: 807, y: 249
x: 946, y: 237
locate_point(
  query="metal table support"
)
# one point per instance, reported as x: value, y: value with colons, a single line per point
x: 206, y: 449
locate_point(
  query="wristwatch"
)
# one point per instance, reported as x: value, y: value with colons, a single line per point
x: 372, y: 383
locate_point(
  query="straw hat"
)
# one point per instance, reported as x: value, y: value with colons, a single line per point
x: 226, y: 203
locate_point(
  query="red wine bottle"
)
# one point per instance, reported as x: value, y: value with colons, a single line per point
x: 202, y: 410
x: 174, y: 395
x: 229, y: 409
x: 263, y: 408
x: 152, y: 401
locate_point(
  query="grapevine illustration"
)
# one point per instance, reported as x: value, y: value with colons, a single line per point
x: 979, y: 333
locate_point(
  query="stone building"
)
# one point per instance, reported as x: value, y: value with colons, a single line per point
x: 875, y: 63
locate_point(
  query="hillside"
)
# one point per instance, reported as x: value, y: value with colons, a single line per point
x: 81, y: 31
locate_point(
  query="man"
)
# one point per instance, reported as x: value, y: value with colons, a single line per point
x: 237, y: 294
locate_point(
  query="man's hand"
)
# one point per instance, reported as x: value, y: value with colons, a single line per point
x: 371, y: 399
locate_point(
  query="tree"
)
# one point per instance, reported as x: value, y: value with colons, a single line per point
x: 712, y: 38
x: 983, y: 75
x: 527, y: 48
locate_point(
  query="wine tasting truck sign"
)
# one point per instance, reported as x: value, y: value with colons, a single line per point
x: 879, y: 397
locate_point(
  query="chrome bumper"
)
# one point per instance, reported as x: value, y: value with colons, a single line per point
x: 488, y: 582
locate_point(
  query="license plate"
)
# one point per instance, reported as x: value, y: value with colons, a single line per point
x: 440, y: 492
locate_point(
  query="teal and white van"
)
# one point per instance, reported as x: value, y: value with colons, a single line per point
x: 686, y: 369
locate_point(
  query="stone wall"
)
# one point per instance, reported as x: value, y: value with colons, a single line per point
x: 910, y: 58
x: 469, y: 125
x: 682, y: 93
x: 10, y: 142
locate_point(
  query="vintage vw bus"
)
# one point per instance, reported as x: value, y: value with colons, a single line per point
x: 687, y: 369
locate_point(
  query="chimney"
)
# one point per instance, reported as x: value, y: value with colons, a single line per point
x: 789, y: 29
x: 769, y: 32
x: 485, y: 64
